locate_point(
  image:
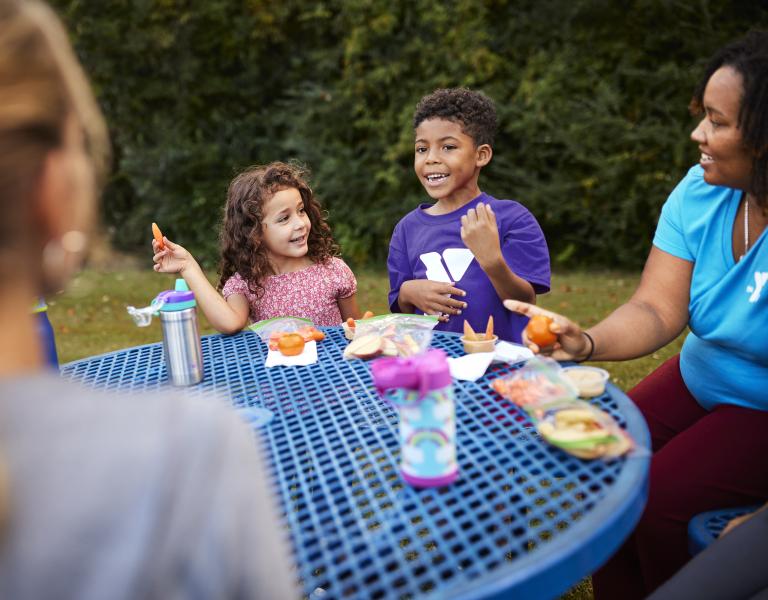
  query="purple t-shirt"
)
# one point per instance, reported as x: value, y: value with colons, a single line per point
x: 427, y: 246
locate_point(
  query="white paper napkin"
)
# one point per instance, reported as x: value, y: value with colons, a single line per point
x: 470, y: 367
x: 511, y: 353
x: 307, y: 357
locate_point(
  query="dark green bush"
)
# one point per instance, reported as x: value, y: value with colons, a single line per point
x: 592, y: 97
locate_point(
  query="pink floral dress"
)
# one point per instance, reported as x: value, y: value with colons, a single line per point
x: 312, y: 293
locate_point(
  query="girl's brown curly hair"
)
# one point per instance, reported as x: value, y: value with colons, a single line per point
x: 241, y: 239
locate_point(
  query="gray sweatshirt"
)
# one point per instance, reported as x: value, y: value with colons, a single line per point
x: 117, y: 497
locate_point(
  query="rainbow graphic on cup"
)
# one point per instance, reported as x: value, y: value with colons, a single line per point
x: 426, y: 436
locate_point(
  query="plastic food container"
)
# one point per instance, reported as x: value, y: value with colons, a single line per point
x: 589, y: 381
x: 473, y: 346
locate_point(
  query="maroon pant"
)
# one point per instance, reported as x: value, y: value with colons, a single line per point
x: 702, y: 460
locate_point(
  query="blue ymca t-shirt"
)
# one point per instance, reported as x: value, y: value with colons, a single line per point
x: 725, y: 357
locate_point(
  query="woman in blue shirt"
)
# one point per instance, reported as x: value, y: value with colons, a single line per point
x: 707, y: 409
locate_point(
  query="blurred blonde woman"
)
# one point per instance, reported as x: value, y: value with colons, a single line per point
x: 102, y: 497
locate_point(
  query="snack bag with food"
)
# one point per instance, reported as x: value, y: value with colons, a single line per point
x: 536, y: 385
x: 271, y: 331
x: 544, y: 391
x: 584, y: 431
x: 391, y: 335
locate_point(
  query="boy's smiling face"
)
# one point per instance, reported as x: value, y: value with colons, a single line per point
x: 447, y: 162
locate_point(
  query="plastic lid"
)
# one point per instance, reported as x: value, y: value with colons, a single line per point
x: 179, y: 298
x: 423, y: 372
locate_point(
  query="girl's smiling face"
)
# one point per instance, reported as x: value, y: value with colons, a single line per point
x: 724, y: 158
x: 447, y: 162
x: 285, y: 227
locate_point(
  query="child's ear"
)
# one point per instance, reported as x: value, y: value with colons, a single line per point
x: 483, y: 154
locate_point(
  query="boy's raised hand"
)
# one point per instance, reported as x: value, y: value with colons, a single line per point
x: 172, y: 259
x: 481, y: 234
x: 432, y: 297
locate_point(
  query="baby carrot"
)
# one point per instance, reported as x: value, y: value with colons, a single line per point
x: 367, y: 314
x: 489, y: 328
x: 158, y: 236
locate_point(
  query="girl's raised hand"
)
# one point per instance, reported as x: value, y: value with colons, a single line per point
x: 171, y: 259
x: 571, y: 342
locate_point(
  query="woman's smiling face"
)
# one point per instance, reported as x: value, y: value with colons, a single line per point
x: 724, y: 158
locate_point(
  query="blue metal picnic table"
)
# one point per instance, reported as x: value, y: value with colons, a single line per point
x: 524, y: 520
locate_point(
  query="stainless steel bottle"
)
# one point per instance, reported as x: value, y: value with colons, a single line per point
x: 181, y: 336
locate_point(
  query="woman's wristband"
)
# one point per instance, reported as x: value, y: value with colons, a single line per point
x: 591, y: 348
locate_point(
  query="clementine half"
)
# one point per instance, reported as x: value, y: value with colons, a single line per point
x: 290, y: 344
x: 538, y: 331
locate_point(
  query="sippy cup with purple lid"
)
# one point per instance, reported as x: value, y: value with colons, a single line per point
x: 420, y: 387
x: 181, y: 337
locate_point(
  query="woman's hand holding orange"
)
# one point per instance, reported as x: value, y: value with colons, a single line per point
x: 570, y: 343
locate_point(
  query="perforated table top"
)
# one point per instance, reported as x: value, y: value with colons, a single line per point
x: 524, y: 520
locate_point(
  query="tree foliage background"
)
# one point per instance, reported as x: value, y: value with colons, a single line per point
x: 592, y: 98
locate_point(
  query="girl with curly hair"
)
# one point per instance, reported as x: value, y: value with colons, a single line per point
x: 278, y: 256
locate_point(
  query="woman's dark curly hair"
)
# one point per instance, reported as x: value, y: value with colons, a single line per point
x: 241, y: 239
x: 474, y: 111
x: 749, y: 57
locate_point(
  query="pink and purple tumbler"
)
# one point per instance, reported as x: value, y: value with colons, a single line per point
x: 420, y: 387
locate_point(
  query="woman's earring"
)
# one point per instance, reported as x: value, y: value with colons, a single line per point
x: 60, y: 257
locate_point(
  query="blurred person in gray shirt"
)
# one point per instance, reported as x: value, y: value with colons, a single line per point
x: 102, y: 496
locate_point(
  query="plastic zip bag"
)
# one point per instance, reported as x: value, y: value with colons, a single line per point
x: 270, y: 330
x: 394, y: 334
x: 550, y: 399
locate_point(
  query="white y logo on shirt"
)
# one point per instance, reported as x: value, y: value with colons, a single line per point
x: 456, y: 259
x: 761, y: 278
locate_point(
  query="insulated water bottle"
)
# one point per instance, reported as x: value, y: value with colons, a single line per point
x: 421, y: 388
x: 181, y: 336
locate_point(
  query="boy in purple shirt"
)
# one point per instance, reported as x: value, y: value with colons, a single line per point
x: 461, y: 256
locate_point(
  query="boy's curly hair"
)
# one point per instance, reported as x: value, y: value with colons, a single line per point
x: 474, y: 111
x: 241, y: 239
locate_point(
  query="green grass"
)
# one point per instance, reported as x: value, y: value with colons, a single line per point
x: 90, y: 318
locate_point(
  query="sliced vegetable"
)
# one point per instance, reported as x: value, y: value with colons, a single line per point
x: 158, y: 236
x: 489, y: 328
